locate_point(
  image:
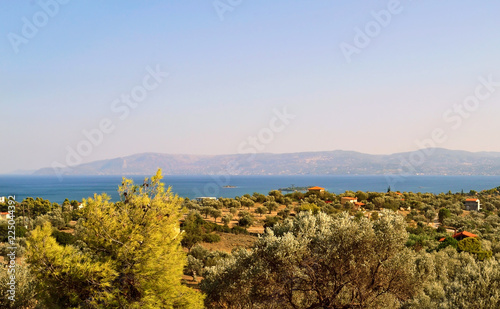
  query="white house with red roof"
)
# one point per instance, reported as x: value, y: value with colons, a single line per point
x: 348, y: 199
x: 472, y: 204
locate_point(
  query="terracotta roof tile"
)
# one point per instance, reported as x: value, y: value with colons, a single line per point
x: 316, y: 188
x: 464, y: 233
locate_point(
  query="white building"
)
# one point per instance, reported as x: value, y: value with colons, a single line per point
x: 472, y: 204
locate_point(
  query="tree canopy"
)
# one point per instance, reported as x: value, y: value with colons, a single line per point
x: 128, y: 254
x: 318, y: 261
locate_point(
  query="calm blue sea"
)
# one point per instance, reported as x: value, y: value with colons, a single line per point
x: 78, y: 187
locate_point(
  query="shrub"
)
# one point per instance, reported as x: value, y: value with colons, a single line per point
x: 469, y: 244
x: 308, y: 207
x: 63, y: 238
x: 443, y: 214
x: 441, y: 230
x: 199, y: 252
x: 193, y: 267
x: 211, y: 238
x: 448, y: 242
x: 473, y: 246
x: 245, y: 221
x: 270, y: 221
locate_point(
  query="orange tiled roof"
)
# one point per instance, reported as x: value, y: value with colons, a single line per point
x: 316, y: 188
x: 471, y: 199
x: 464, y: 233
x: 350, y: 198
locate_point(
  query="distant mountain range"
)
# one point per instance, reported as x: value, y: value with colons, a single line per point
x: 431, y: 161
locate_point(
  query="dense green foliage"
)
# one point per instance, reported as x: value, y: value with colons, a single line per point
x: 318, y: 261
x: 128, y: 254
x: 198, y: 230
x: 315, y: 252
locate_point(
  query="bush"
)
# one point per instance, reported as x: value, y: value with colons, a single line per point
x: 226, y: 219
x: 483, y: 255
x: 448, y: 242
x: 199, y: 252
x: 4, y: 228
x: 193, y: 267
x: 63, y: 238
x: 211, y: 238
x: 189, y: 240
x: 443, y: 214
x: 308, y: 207
x: 261, y: 210
x: 473, y: 246
x: 284, y: 213
x: 245, y: 221
x: 238, y: 230
x: 25, y: 289
x: 270, y: 221
x: 469, y: 244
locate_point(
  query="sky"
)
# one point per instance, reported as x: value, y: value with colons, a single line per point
x: 89, y: 80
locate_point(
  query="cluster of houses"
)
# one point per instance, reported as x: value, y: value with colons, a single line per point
x: 343, y: 200
x: 471, y: 204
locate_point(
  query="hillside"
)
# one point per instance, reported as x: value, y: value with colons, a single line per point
x: 436, y: 161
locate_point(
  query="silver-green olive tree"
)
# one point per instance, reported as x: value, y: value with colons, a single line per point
x: 319, y: 261
x: 457, y: 280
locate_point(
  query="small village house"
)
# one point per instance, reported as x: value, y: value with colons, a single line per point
x: 358, y: 205
x: 472, y: 204
x: 316, y: 189
x: 461, y: 235
x: 348, y: 199
x: 201, y: 198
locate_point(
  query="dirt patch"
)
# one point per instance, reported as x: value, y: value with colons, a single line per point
x: 230, y: 241
x: 188, y: 280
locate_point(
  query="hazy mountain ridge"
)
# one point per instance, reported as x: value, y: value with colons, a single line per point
x: 432, y: 161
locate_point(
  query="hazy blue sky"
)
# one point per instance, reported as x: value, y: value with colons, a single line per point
x: 231, y: 64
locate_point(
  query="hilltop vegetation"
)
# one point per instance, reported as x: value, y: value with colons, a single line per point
x: 313, y: 251
x: 125, y: 254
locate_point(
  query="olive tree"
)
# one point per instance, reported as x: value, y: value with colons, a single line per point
x: 457, y: 280
x: 318, y: 261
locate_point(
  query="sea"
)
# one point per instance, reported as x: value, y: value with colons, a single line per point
x: 79, y: 187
